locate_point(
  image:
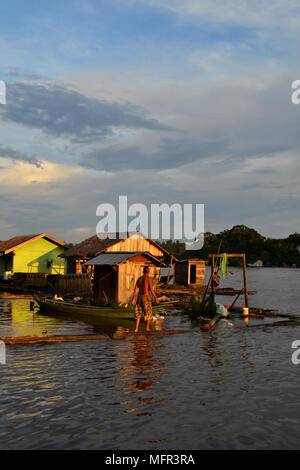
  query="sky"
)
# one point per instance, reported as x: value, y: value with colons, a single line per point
x: 165, y: 101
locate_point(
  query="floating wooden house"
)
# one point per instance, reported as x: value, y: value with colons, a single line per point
x: 116, y: 273
x: 78, y: 255
x: 190, y: 273
x: 32, y: 254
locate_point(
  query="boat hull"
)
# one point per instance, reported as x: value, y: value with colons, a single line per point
x: 57, y: 307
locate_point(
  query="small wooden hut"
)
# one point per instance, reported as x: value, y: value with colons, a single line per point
x: 116, y: 273
x: 78, y: 255
x: 190, y: 273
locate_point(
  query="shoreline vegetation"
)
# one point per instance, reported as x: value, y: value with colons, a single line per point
x: 272, y: 252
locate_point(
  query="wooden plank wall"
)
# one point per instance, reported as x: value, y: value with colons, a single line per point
x: 182, y: 273
x: 68, y: 284
x: 200, y: 273
x: 74, y: 284
x: 128, y: 275
x: 30, y: 280
x: 133, y: 244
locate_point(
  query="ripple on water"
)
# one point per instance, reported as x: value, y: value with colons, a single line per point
x: 227, y: 389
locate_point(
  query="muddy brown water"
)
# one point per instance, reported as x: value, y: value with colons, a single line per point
x: 226, y: 389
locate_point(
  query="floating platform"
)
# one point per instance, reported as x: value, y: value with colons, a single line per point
x: 16, y: 296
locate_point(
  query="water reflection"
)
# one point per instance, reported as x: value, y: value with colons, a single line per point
x: 16, y: 319
x: 212, y: 351
x: 142, y: 360
x: 178, y: 392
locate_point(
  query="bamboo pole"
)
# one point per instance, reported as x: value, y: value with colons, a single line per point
x: 236, y: 299
x: 245, y: 281
x: 213, y: 280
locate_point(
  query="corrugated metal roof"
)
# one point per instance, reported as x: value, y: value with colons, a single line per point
x: 111, y: 258
x: 115, y: 258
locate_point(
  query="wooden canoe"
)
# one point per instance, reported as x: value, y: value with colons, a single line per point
x: 57, y: 307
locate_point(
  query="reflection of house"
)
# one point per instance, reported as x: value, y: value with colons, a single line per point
x: 79, y: 254
x: 32, y: 254
x: 115, y: 273
x: 190, y: 272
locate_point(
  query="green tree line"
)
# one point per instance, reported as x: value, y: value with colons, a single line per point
x: 242, y: 239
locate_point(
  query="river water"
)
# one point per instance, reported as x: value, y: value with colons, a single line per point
x: 226, y: 389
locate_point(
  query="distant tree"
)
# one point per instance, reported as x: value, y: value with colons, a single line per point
x: 242, y: 239
x: 176, y: 248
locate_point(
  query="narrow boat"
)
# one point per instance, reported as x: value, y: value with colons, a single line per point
x: 56, y: 306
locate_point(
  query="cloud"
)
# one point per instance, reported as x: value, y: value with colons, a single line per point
x: 20, y: 73
x: 22, y: 173
x: 65, y: 202
x: 84, y: 230
x: 62, y: 112
x: 171, y: 153
x: 16, y: 155
x: 258, y: 13
x: 233, y: 119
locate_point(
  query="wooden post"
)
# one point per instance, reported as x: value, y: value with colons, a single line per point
x: 245, y: 281
x: 169, y: 274
x: 213, y: 279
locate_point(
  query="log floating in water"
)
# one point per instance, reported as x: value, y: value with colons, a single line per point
x: 198, y: 291
x: 212, y: 324
x: 50, y: 339
x: 266, y: 312
x: 177, y: 291
x: 226, y: 291
x: 15, y: 296
x: 270, y: 325
x: 72, y: 339
x: 168, y: 332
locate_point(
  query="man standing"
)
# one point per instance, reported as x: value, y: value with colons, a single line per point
x: 144, y: 303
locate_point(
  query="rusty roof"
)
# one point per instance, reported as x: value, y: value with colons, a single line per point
x: 96, y: 244
x: 13, y: 243
x: 115, y: 258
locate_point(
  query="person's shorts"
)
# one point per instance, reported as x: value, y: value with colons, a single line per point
x: 143, y: 307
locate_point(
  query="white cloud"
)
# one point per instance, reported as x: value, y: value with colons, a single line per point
x: 258, y: 13
x: 25, y: 174
x: 251, y: 174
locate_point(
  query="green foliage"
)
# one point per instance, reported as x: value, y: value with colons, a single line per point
x: 242, y: 239
x: 176, y: 248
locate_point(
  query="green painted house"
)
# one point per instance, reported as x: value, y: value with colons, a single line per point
x: 32, y: 254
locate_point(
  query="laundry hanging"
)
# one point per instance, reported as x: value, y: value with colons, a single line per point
x: 224, y: 264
